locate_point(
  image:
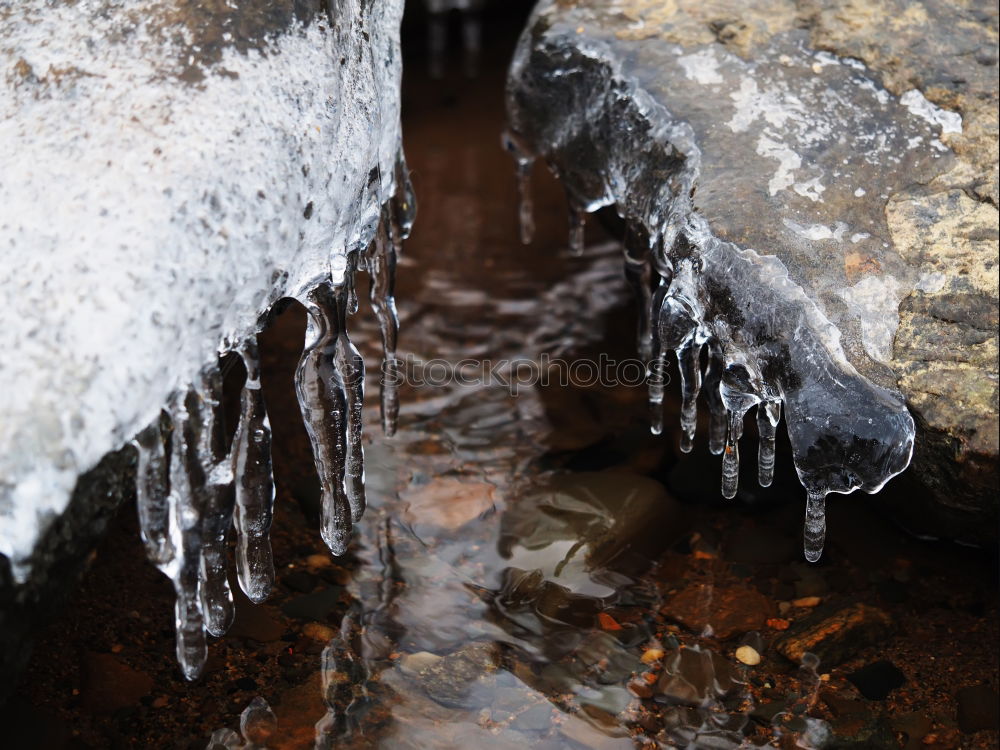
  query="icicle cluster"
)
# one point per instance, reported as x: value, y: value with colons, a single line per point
x: 190, y: 489
x: 838, y: 447
x: 669, y: 137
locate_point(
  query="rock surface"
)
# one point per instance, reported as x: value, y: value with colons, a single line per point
x: 170, y: 171
x: 832, y: 169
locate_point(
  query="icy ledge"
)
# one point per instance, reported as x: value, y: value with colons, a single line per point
x: 753, y: 190
x: 168, y: 174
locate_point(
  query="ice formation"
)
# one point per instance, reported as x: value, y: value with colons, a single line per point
x: 750, y: 328
x: 164, y: 194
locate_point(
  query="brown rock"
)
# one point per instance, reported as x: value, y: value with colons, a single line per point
x: 449, y: 503
x: 109, y: 685
x: 837, y: 636
x: 728, y: 610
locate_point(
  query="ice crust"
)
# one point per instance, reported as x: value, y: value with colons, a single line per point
x: 598, y: 110
x: 149, y: 220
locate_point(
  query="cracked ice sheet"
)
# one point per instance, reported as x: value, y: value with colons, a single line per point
x: 148, y: 222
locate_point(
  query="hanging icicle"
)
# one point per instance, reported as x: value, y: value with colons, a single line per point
x: 251, y: 461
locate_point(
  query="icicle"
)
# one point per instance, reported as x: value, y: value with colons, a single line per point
x: 677, y: 330
x: 731, y: 456
x: 382, y: 282
x: 718, y: 423
x: 524, y: 162
x: 151, y: 487
x: 639, y: 273
x: 251, y: 459
x: 814, y: 531
x: 351, y: 367
x: 768, y: 416
x: 577, y: 224
x: 323, y: 401
x: 657, y: 364
x: 689, y: 368
x: 184, y: 567
x: 738, y: 389
x: 217, y: 505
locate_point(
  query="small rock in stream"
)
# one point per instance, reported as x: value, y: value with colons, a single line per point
x: 728, y: 610
x: 450, y: 681
x: 835, y: 636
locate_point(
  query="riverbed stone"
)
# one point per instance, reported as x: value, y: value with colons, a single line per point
x: 856, y: 143
x: 835, y: 635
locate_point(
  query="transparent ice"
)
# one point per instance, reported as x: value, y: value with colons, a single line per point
x: 744, y: 333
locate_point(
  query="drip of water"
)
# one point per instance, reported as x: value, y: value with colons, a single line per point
x: 322, y: 396
x: 251, y: 460
x: 814, y: 531
x: 381, y: 264
x: 524, y: 162
x: 768, y: 416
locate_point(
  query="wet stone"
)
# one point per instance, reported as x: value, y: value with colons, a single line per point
x: 778, y: 185
x: 450, y: 681
x: 694, y: 675
x: 835, y: 636
x: 729, y: 611
x: 538, y: 718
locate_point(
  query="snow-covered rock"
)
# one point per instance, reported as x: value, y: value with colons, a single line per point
x: 168, y: 171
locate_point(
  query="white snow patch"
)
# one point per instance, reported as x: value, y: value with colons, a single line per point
x: 146, y: 222
x: 812, y: 189
x: 818, y: 232
x: 702, y: 66
x: 916, y: 102
x: 788, y: 162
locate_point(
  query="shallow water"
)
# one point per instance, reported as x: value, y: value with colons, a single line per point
x: 521, y: 554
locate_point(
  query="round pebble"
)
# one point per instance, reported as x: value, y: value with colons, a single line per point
x: 748, y: 655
